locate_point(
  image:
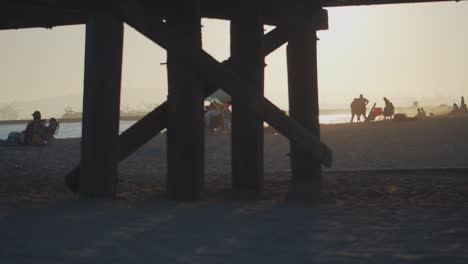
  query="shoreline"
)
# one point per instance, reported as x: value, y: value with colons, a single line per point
x: 427, y: 144
x: 439, y: 111
x: 64, y: 120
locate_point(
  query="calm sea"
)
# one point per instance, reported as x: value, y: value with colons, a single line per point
x: 66, y: 130
x: 73, y: 130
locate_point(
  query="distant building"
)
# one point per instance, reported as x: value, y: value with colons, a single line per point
x: 415, y: 104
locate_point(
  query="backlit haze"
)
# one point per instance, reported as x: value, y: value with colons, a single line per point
x: 404, y: 52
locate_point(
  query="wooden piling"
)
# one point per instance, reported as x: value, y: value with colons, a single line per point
x: 152, y: 124
x: 185, y: 132
x: 303, y: 97
x: 222, y: 75
x: 247, y: 128
x: 101, y: 106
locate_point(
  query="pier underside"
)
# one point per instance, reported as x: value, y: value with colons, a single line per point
x: 192, y: 75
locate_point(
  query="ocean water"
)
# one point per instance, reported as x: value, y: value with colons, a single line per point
x: 73, y: 130
x: 66, y: 130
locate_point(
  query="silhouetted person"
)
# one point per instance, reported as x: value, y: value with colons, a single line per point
x: 358, y: 108
x: 51, y: 130
x: 214, y: 117
x: 389, y: 109
x: 363, y: 104
x: 455, y: 108
x: 227, y: 118
x: 423, y: 113
x: 363, y: 100
x: 355, y: 110
x: 462, y: 104
x: 35, y: 130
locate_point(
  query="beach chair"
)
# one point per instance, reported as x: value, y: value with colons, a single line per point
x: 53, y: 127
x: 51, y: 130
x: 374, y: 113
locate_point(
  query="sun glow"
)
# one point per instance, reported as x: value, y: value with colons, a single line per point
x: 404, y: 52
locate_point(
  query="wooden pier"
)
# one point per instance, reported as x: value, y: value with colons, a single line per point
x: 192, y: 75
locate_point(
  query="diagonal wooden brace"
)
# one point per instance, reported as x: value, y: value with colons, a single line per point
x: 130, y: 140
x: 154, y: 122
x: 211, y: 69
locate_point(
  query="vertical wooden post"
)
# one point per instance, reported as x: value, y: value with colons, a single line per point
x: 101, y: 106
x: 185, y: 131
x: 247, y: 130
x: 303, y: 97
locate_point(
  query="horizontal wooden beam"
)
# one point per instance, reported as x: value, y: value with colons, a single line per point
x: 28, y: 13
x: 16, y: 14
x: 273, y: 12
x: 160, y: 33
x: 24, y: 14
x: 339, y: 3
x: 153, y: 123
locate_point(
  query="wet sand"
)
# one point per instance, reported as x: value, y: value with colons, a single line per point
x: 398, y: 192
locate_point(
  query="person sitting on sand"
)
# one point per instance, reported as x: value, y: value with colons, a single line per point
x: 455, y: 108
x: 389, y: 109
x: 35, y: 131
x: 423, y: 113
x: 213, y: 117
x: 51, y: 130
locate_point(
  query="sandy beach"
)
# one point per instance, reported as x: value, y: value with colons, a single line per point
x: 423, y: 145
x: 397, y: 192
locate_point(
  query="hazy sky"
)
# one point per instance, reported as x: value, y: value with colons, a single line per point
x: 413, y: 50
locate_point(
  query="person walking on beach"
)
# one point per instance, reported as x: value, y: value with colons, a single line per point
x: 455, y: 108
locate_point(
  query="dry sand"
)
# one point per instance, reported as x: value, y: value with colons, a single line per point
x: 364, y: 155
x: 398, y: 192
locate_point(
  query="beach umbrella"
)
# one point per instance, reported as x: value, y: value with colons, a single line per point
x: 213, y: 100
x: 221, y: 95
